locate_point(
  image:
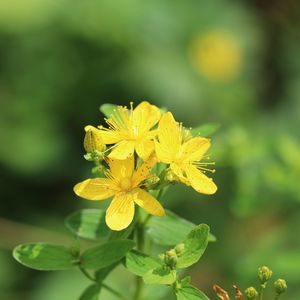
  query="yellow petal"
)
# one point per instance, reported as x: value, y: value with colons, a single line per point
x: 200, y: 182
x: 145, y: 116
x: 120, y: 212
x: 110, y: 136
x: 179, y: 172
x: 148, y: 203
x: 194, y: 149
x: 169, y: 135
x: 122, y: 150
x: 163, y: 153
x: 144, y: 148
x: 143, y: 171
x: 95, y: 189
x: 121, y: 168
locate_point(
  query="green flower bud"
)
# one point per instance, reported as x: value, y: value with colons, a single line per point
x: 264, y: 274
x: 280, y: 286
x: 171, y: 258
x: 179, y: 248
x: 93, y: 140
x: 251, y: 293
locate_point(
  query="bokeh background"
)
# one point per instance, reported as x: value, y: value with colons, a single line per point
x: 234, y: 63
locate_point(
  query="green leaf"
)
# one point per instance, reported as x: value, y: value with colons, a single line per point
x: 205, y: 130
x: 190, y: 293
x: 105, y: 254
x: 107, y: 109
x: 45, y: 257
x: 139, y: 263
x: 194, y: 246
x: 88, y: 224
x: 170, y: 230
x: 92, y: 292
x: 161, y: 275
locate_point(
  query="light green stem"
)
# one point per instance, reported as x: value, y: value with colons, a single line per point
x: 261, y: 292
x: 277, y: 297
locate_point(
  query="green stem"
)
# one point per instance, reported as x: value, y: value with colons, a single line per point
x: 107, y: 287
x: 277, y: 297
x: 261, y: 292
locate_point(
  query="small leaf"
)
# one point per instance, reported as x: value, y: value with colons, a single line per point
x: 190, y: 293
x: 88, y: 224
x: 171, y: 229
x: 194, y: 246
x: 45, y: 257
x: 107, y: 109
x: 92, y: 292
x: 161, y: 275
x: 139, y: 263
x: 205, y: 130
x: 105, y: 254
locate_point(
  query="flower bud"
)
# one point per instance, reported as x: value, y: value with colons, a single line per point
x: 93, y: 140
x: 171, y: 258
x: 280, y: 286
x: 251, y: 293
x: 264, y: 274
x: 179, y: 248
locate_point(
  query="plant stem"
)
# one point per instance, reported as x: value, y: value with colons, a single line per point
x: 90, y: 277
x: 261, y: 292
x: 277, y: 297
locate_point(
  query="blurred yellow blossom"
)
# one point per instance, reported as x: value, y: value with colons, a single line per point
x: 123, y: 182
x: 216, y: 55
x: 131, y: 130
x: 184, y: 156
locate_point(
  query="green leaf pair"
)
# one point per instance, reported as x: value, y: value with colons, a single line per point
x: 47, y: 257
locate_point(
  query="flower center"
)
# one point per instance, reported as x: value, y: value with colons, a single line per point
x: 125, y: 184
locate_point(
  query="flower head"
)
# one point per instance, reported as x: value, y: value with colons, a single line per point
x: 131, y: 130
x: 184, y: 157
x: 124, y: 182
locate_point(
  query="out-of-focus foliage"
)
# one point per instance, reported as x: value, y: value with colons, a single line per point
x: 226, y: 62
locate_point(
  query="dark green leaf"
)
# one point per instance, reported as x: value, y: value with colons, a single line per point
x: 46, y: 257
x: 92, y: 292
x: 190, y: 293
x: 194, y: 246
x: 205, y: 130
x: 139, y: 263
x: 107, y: 109
x: 105, y: 254
x: 170, y: 230
x: 161, y: 275
x: 88, y: 223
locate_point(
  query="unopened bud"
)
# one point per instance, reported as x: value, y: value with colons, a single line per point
x: 170, y: 176
x: 93, y: 140
x: 264, y: 274
x: 251, y: 293
x: 171, y: 258
x: 280, y: 286
x: 179, y: 248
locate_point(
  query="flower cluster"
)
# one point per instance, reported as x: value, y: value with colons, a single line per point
x: 134, y: 142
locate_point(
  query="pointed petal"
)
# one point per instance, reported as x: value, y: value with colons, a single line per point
x: 143, y: 171
x: 148, y: 203
x: 120, y: 212
x: 122, y: 150
x: 163, y: 152
x: 194, y: 149
x: 169, y: 136
x: 144, y: 148
x: 200, y: 182
x: 121, y: 168
x: 179, y: 172
x: 95, y: 189
x: 145, y: 116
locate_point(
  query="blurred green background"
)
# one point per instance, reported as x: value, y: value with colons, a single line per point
x: 235, y: 63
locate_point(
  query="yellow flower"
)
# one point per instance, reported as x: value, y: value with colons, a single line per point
x: 131, y: 130
x: 123, y: 182
x: 183, y: 156
x: 216, y: 55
